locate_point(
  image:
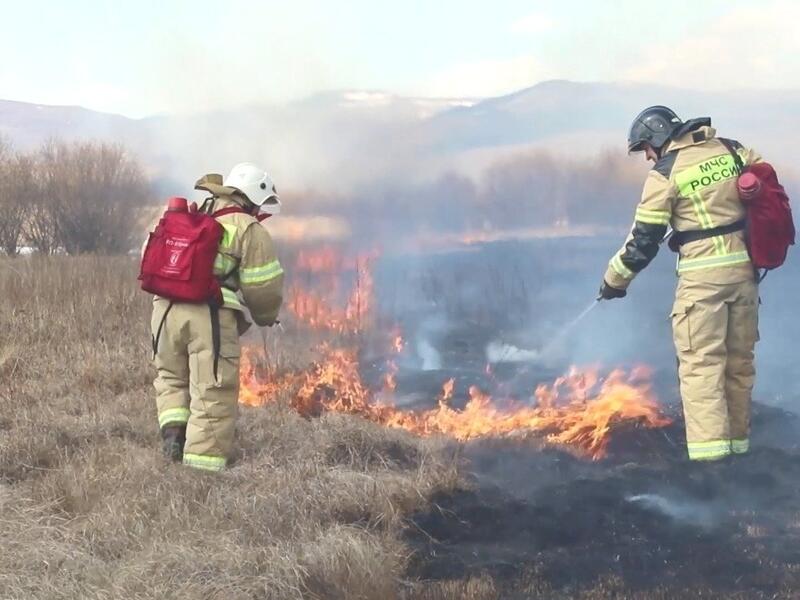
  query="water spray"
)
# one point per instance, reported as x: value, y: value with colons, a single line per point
x: 498, y: 352
x: 567, y: 329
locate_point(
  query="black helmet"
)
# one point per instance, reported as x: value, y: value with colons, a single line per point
x: 652, y: 126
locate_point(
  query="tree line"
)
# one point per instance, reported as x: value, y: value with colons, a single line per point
x: 73, y: 198
x: 529, y: 189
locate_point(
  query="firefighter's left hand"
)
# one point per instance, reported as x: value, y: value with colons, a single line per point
x: 609, y: 293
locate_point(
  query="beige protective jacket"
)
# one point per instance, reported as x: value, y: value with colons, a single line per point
x: 693, y: 186
x: 246, y: 263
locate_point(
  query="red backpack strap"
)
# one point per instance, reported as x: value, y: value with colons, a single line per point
x: 231, y: 210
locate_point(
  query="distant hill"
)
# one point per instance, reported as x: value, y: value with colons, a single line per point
x: 28, y: 125
x: 603, y: 111
x: 336, y: 140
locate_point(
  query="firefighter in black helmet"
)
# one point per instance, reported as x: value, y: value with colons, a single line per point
x: 692, y: 188
x: 652, y: 127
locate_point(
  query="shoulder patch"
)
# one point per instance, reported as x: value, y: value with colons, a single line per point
x: 665, y: 163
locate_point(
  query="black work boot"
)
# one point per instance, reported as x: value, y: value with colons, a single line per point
x: 173, y: 438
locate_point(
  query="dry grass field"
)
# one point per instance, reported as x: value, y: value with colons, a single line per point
x: 89, y: 509
x: 336, y: 507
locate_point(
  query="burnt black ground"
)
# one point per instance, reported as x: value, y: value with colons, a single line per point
x: 718, y: 530
x: 645, y: 515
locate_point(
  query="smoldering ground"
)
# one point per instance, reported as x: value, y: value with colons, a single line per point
x: 644, y: 517
x: 653, y: 524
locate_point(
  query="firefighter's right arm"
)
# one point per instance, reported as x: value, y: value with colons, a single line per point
x: 653, y: 215
x: 260, y: 275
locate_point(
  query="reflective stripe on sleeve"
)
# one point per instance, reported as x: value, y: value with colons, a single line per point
x: 223, y: 265
x: 653, y: 217
x: 708, y: 450
x: 231, y: 300
x: 710, y: 262
x: 260, y: 274
x: 620, y: 268
x: 173, y: 415
x: 207, y: 463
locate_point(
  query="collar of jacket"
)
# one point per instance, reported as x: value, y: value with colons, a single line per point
x: 222, y: 201
x: 212, y: 183
x: 224, y: 195
x: 693, y: 137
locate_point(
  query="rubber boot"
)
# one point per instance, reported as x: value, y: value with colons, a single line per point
x: 173, y: 439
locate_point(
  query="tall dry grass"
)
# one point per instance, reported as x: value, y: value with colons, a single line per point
x: 89, y: 509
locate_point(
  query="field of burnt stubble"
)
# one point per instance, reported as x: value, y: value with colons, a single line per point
x: 349, y: 479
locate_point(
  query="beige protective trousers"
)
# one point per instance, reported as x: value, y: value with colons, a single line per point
x: 187, y: 392
x: 715, y: 328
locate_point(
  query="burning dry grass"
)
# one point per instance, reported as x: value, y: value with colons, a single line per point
x: 577, y: 412
x: 310, y: 509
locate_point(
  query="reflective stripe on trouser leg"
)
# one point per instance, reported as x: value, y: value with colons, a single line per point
x: 207, y: 463
x: 172, y: 365
x: 708, y: 450
x: 700, y: 322
x: 740, y: 446
x: 176, y: 416
x: 740, y: 371
x: 214, y: 401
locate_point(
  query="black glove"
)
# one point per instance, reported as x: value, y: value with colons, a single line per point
x: 609, y: 293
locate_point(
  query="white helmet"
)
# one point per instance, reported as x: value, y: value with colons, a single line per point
x: 253, y: 181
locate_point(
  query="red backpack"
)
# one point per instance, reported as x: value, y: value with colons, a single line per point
x: 178, y: 260
x: 769, y: 229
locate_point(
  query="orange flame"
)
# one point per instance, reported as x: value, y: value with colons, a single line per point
x: 258, y: 382
x: 390, y: 377
x: 315, y: 308
x: 579, y: 410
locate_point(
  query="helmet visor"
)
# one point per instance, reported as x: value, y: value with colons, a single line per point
x: 637, y: 146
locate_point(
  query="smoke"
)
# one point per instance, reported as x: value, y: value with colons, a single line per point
x: 498, y: 352
x: 427, y: 333
x: 688, y: 511
x: 429, y: 355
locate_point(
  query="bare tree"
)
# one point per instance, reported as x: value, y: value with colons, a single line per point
x: 18, y: 193
x: 89, y: 196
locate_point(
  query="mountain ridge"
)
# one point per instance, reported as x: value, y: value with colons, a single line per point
x: 355, y: 136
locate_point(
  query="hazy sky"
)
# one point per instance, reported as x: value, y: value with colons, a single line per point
x: 143, y: 57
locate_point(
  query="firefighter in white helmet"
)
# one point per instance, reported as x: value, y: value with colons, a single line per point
x: 197, y: 391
